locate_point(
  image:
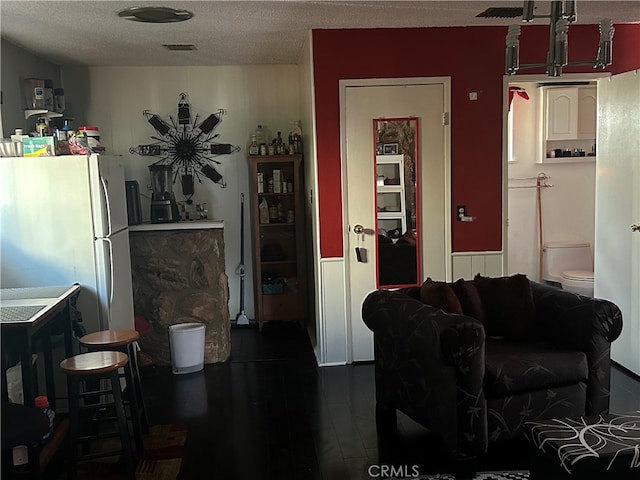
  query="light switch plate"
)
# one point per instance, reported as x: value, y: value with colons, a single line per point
x: 20, y: 455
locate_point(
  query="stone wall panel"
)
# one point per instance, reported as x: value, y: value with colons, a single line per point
x: 179, y: 277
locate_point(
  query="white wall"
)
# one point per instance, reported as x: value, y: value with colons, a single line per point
x: 113, y: 99
x: 568, y: 208
x: 18, y: 64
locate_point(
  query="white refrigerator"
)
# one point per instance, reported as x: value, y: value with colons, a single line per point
x: 63, y: 220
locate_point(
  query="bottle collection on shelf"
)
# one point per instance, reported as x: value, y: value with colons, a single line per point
x: 259, y: 145
x: 273, y: 210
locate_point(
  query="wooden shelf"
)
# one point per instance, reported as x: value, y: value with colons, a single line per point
x: 288, y: 237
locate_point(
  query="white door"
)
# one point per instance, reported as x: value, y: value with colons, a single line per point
x: 617, y: 247
x: 427, y: 100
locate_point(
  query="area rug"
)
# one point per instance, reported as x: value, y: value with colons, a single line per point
x: 510, y: 475
x: 161, y: 460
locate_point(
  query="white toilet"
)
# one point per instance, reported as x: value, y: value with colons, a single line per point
x: 570, y: 264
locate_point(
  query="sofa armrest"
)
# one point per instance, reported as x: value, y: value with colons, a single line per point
x: 430, y: 365
x: 584, y: 324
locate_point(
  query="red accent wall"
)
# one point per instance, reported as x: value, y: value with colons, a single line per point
x: 474, y: 59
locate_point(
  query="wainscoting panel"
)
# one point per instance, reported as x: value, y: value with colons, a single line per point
x: 332, y: 341
x: 466, y: 265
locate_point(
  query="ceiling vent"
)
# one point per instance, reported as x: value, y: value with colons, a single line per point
x: 180, y: 47
x: 155, y: 14
x: 501, y: 12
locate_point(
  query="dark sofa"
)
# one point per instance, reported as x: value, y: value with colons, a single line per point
x: 513, y: 351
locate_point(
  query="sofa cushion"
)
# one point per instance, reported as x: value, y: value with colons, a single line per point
x: 514, y: 367
x: 508, y: 306
x: 440, y: 295
x: 469, y: 298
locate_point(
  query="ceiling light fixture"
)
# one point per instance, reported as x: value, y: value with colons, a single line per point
x: 557, y: 56
x: 155, y: 14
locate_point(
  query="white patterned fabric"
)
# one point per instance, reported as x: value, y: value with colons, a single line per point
x: 510, y: 475
x: 604, y: 443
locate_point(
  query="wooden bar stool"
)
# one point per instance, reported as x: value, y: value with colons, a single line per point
x: 96, y: 366
x: 124, y: 341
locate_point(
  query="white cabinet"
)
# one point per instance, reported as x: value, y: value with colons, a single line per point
x: 561, y: 113
x: 568, y: 123
x: 390, y: 195
x: 587, y: 112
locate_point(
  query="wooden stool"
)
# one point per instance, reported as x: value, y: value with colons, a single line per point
x: 96, y: 366
x: 124, y: 341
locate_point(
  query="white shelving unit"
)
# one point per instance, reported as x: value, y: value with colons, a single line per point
x: 41, y: 113
x: 390, y: 193
x: 568, y: 122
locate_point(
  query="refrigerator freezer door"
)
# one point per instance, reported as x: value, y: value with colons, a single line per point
x: 108, y: 195
x: 113, y: 263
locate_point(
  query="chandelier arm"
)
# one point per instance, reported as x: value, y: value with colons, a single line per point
x: 557, y: 55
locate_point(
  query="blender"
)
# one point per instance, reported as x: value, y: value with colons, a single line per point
x: 163, y: 203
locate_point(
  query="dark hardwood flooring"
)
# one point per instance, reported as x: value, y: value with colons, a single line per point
x: 271, y: 413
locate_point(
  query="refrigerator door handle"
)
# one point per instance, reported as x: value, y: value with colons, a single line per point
x: 108, y: 241
x: 107, y: 205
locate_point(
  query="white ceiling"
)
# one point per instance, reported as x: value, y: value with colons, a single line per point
x: 88, y: 32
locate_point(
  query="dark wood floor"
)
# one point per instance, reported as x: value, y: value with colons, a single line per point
x: 271, y: 413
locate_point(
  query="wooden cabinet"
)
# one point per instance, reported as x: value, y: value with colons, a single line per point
x: 278, y: 238
x: 569, y: 117
x: 390, y: 195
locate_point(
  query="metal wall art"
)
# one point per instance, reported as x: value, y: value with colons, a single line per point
x: 187, y: 144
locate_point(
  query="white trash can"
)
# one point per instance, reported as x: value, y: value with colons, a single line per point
x: 186, y: 341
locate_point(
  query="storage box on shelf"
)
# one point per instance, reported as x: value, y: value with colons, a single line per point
x: 278, y: 238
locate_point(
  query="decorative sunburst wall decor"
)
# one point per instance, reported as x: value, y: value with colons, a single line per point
x: 187, y: 144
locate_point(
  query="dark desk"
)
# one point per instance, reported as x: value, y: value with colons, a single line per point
x: 27, y: 312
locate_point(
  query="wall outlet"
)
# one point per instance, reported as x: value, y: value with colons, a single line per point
x: 20, y: 455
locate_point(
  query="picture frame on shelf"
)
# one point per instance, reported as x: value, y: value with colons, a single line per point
x: 379, y: 148
x: 390, y: 149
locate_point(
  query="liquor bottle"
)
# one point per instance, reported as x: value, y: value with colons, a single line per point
x: 254, y: 148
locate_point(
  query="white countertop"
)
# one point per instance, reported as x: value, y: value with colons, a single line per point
x: 188, y: 225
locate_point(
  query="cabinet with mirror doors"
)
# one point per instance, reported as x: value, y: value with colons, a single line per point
x: 277, y: 238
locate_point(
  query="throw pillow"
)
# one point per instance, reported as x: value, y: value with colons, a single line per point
x: 508, y: 305
x: 469, y: 298
x: 440, y: 295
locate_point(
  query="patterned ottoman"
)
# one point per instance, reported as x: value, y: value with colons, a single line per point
x: 602, y: 447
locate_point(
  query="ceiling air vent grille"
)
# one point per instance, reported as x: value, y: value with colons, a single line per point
x: 180, y: 47
x: 501, y: 12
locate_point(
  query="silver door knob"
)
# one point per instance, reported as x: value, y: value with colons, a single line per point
x: 358, y: 229
x: 635, y: 228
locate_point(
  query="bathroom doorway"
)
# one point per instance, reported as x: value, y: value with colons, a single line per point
x: 548, y: 198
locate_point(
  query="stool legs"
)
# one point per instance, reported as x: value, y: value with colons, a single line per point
x: 133, y: 403
x: 123, y: 426
x: 137, y: 383
x: 74, y: 418
x: 73, y: 386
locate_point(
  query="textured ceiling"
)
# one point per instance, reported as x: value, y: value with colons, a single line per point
x: 89, y: 32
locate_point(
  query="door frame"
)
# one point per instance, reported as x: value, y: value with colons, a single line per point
x: 375, y: 82
x: 506, y: 81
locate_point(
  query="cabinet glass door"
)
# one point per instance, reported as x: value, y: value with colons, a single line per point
x: 396, y: 186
